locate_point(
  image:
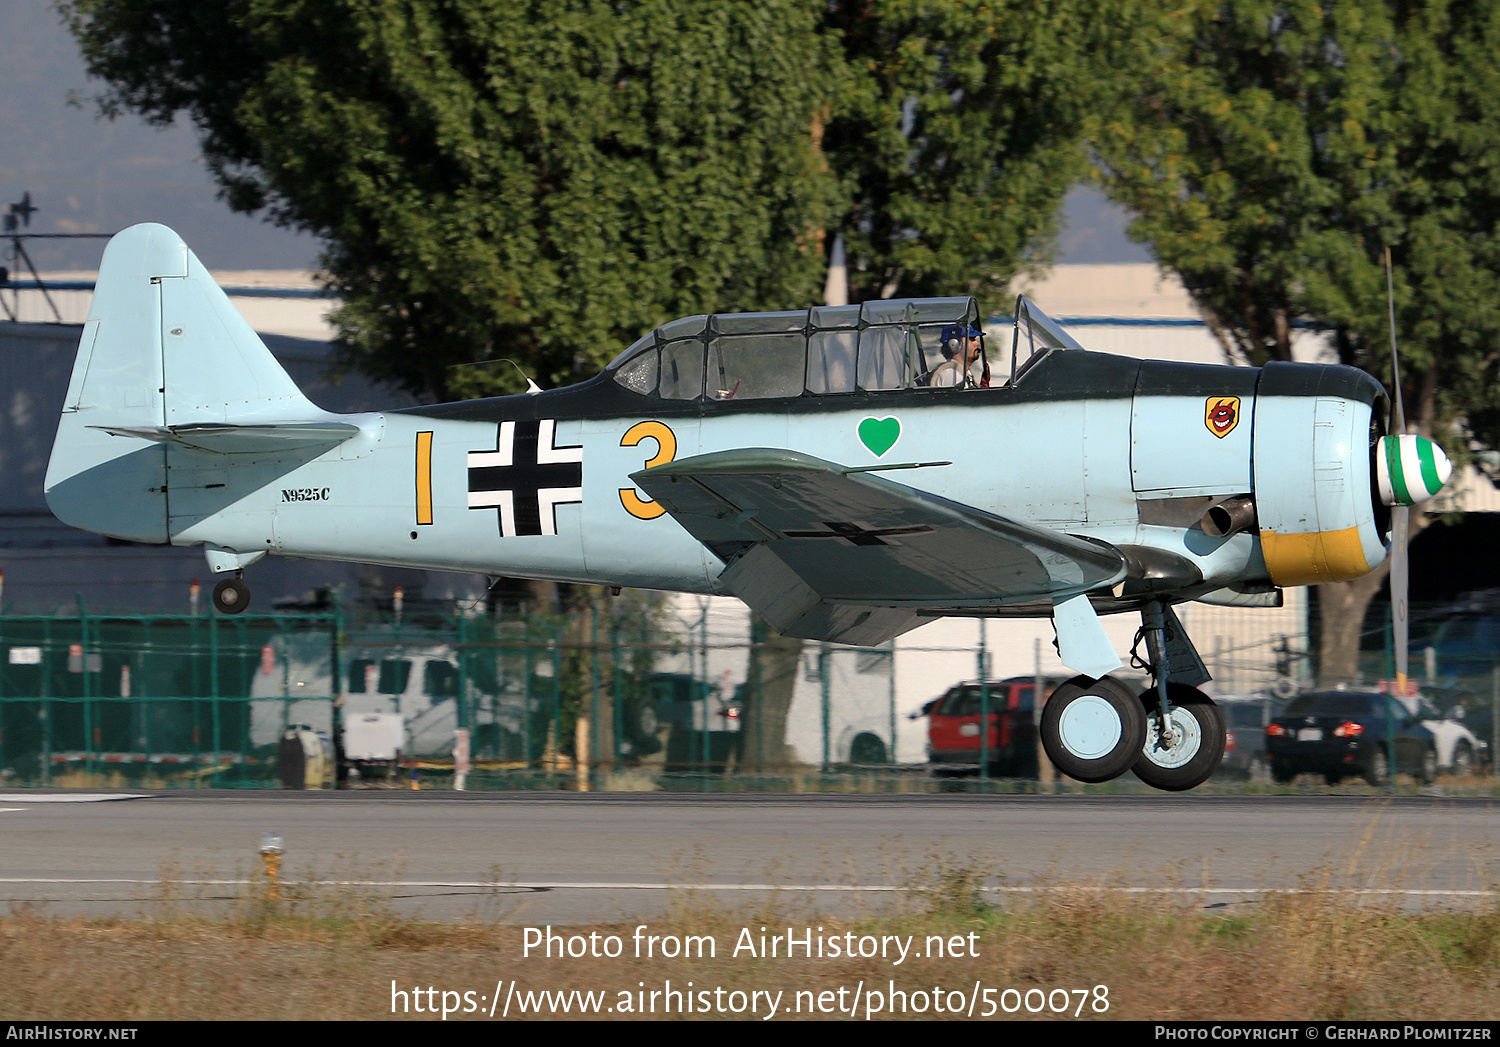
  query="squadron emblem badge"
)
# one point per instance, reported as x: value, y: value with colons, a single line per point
x: 1222, y: 414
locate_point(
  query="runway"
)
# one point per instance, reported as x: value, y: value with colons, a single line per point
x: 559, y: 858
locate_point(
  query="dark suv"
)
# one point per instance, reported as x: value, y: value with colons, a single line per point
x: 1343, y: 733
x: 953, y: 738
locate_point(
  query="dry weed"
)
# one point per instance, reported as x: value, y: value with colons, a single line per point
x: 337, y: 951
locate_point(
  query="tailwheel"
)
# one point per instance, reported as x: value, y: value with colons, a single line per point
x: 231, y: 596
x: 1092, y: 729
x: 1191, y: 755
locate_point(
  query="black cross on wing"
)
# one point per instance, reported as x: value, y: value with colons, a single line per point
x: 526, y: 477
x: 855, y: 534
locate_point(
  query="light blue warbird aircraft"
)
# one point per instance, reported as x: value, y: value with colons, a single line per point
x: 818, y: 464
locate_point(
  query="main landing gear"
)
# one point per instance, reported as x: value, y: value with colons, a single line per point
x: 1171, y: 735
x: 232, y: 595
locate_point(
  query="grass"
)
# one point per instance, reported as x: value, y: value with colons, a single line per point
x: 338, y: 952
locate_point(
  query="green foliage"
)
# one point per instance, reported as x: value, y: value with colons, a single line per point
x: 543, y: 181
x: 1277, y: 148
x: 960, y: 132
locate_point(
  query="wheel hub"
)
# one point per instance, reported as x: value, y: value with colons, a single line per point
x: 1089, y: 727
x: 1176, y: 746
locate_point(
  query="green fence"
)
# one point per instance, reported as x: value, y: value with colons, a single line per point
x: 569, y: 701
x: 613, y: 695
x: 138, y: 697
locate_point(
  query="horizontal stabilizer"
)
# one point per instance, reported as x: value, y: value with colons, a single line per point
x: 222, y: 438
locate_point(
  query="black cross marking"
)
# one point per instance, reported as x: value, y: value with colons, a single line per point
x: 526, y: 477
x: 855, y: 534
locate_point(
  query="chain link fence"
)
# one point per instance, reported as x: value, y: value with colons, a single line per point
x: 682, y: 694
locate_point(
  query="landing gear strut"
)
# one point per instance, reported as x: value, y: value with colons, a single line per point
x: 1184, y: 729
x: 232, y: 595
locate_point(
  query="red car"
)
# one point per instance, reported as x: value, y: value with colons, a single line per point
x: 953, y: 732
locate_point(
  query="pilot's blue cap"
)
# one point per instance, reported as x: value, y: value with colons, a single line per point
x: 953, y: 331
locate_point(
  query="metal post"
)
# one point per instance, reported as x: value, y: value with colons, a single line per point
x: 528, y: 654
x: 619, y: 689
x: 984, y: 705
x: 464, y: 713
x: 753, y: 691
x: 144, y: 686
x: 823, y: 685
x: 83, y: 646
x: 1495, y: 722
x: 46, y: 709
x: 703, y: 695
x: 892, y: 705
x: 557, y: 739
x: 594, y: 753
x: 1390, y: 741
x: 213, y: 691
x: 241, y: 686
x: 336, y: 653
x: 1038, y: 695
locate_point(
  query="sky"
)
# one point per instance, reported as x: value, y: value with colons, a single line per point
x: 90, y: 175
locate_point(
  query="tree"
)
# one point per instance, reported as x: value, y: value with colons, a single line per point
x: 959, y: 131
x: 1275, y: 150
x: 538, y: 181
x: 544, y: 181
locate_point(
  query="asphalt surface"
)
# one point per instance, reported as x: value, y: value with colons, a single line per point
x: 534, y: 858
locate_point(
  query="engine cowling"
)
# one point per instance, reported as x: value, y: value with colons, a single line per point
x: 1318, y: 430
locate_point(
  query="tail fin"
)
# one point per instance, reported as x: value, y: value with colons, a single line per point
x: 163, y: 347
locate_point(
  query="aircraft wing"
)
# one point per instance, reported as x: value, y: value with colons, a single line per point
x: 826, y: 552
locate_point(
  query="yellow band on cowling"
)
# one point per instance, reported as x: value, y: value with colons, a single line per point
x: 1309, y: 559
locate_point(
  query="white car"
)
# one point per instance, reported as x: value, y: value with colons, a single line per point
x: 1458, y: 749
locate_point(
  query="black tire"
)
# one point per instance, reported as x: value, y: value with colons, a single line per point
x: 1378, y: 770
x: 1428, y: 771
x: 1332, y: 778
x: 1463, y: 760
x: 1104, y: 734
x: 1194, y: 713
x: 641, y: 726
x: 867, y: 748
x: 231, y: 596
x: 1281, y: 774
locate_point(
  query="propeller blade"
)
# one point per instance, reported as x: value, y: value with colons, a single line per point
x: 1400, y: 514
x: 1400, y: 531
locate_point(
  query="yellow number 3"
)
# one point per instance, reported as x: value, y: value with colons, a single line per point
x: 666, y: 450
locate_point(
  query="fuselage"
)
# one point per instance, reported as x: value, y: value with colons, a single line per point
x: 179, y: 426
x: 1124, y: 451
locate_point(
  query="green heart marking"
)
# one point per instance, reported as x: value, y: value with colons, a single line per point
x: 879, y: 434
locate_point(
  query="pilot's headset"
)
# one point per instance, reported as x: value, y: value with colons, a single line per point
x: 952, y: 346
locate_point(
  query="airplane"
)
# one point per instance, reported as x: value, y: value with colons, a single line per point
x: 803, y: 461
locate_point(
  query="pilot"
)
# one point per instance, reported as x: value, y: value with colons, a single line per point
x: 960, y: 349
